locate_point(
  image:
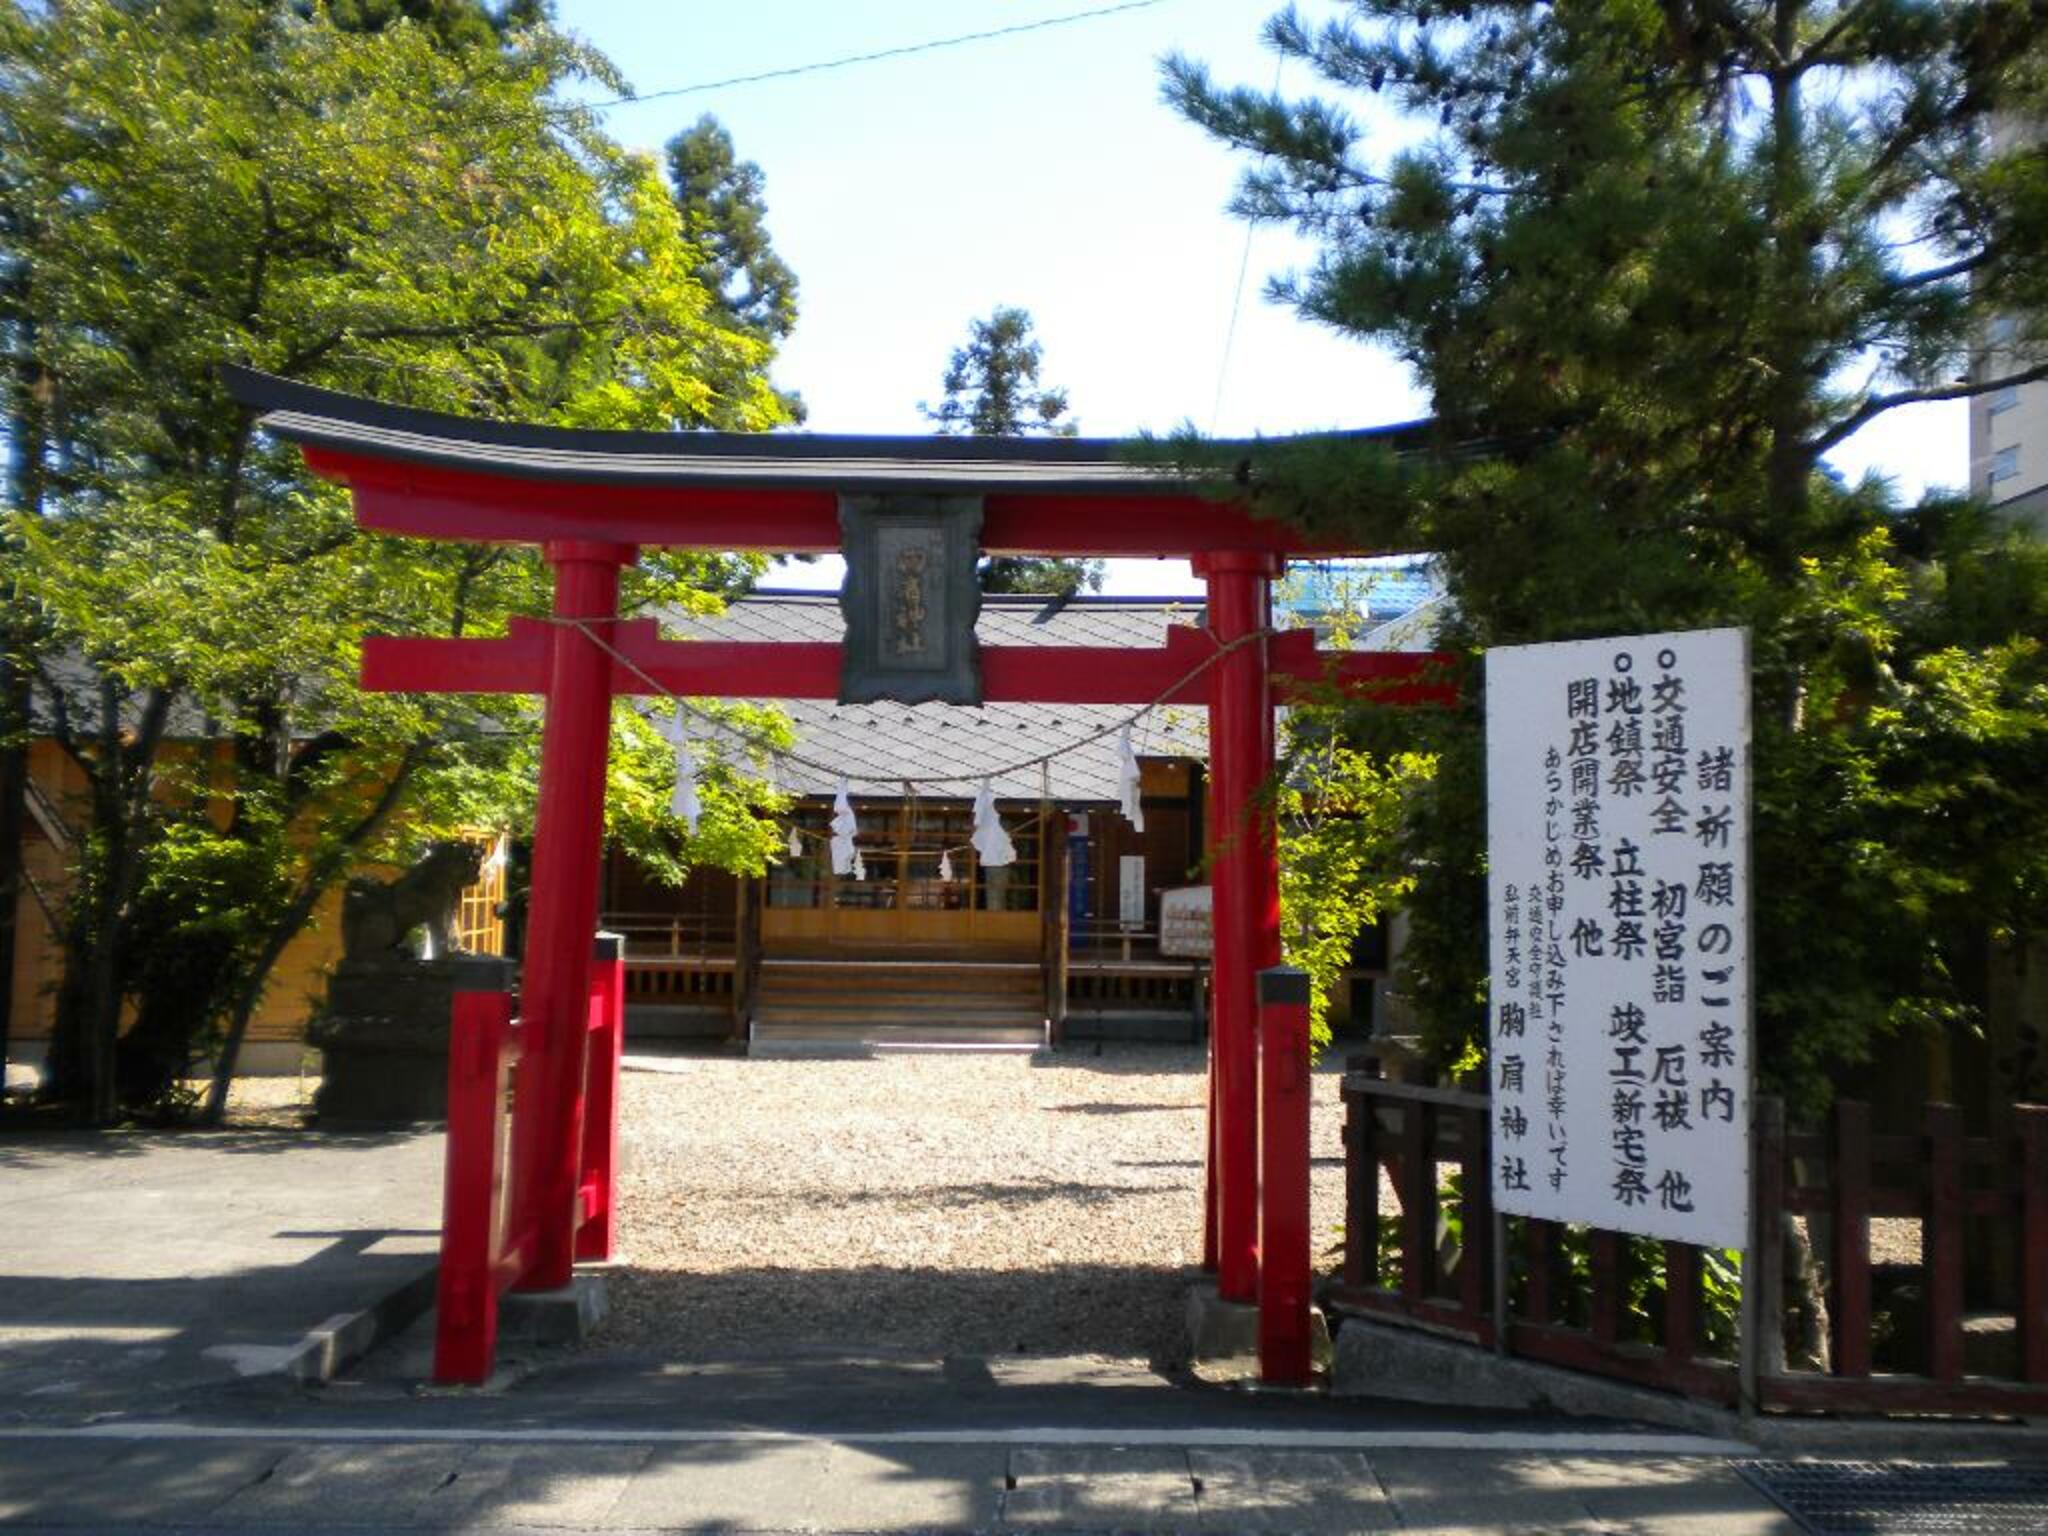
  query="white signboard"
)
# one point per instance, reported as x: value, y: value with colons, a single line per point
x: 1617, y: 790
x: 1130, y: 890
x: 1187, y: 928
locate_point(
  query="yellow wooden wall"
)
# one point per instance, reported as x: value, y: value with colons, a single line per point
x: 299, y: 980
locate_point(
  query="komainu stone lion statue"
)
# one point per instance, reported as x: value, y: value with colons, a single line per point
x: 377, y: 916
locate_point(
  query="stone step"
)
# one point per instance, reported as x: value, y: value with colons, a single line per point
x: 901, y: 978
x: 892, y: 1000
x: 770, y: 1037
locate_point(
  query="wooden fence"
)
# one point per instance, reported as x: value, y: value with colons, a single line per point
x: 1639, y: 1310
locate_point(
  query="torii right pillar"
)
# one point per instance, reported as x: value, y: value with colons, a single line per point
x: 1245, y: 880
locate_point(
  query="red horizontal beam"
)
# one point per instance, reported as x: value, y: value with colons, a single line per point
x: 518, y: 663
x: 737, y: 669
x: 434, y: 502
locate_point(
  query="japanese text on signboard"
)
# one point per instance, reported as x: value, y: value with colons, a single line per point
x: 1617, y: 807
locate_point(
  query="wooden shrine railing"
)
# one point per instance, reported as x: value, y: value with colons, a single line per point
x: 680, y: 959
x: 1638, y: 1310
x: 487, y: 1237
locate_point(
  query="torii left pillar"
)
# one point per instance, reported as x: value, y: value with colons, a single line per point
x: 1245, y: 880
x: 568, y: 846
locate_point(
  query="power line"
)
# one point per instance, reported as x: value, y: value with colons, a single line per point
x: 907, y: 49
x: 1244, y: 263
x: 818, y: 66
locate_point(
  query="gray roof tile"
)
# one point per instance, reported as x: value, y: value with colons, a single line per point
x: 878, y: 745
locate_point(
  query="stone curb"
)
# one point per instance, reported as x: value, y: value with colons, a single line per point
x: 329, y: 1349
x: 1409, y: 1366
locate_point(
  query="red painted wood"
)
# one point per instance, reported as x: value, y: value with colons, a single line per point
x: 423, y: 501
x: 1138, y: 524
x: 2032, y: 1125
x: 1941, y: 1241
x: 1211, y: 1235
x: 1849, y: 1306
x: 1245, y: 882
x: 518, y: 663
x: 1708, y: 1380
x: 1902, y: 1394
x: 1446, y: 1318
x: 597, y: 1229
x: 567, y: 852
x: 482, y: 1046
x: 430, y: 501
x: 1285, y: 1342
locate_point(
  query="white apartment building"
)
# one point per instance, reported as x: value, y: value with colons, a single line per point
x: 2009, y: 426
x: 2009, y: 432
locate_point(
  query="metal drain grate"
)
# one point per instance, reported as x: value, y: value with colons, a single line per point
x: 1895, y: 1498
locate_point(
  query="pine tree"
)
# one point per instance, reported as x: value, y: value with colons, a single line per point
x: 1652, y: 264
x: 992, y: 390
x: 991, y: 384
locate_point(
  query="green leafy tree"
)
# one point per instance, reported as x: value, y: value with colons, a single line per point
x: 381, y: 211
x: 1652, y: 264
x: 992, y: 390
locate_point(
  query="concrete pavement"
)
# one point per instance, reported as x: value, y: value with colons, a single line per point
x: 138, y: 1266
x: 771, y: 1483
x: 172, y: 1310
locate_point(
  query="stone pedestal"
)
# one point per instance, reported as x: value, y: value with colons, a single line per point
x: 384, y: 1036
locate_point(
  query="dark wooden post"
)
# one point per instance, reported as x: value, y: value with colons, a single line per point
x: 746, y: 951
x: 1417, y: 1185
x: 1056, y: 942
x: 1764, y: 1292
x: 1475, y: 1204
x: 1541, y: 1237
x: 2031, y: 1123
x: 1942, y: 1220
x: 1681, y: 1302
x: 1362, y: 1182
x: 1850, y: 1312
x: 1603, y: 1264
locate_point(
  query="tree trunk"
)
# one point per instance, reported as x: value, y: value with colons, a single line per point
x: 289, y: 925
x: 27, y: 426
x: 14, y: 721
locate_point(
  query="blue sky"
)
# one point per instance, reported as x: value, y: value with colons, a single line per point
x: 1041, y: 170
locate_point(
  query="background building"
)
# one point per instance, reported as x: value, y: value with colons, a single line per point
x: 2009, y: 426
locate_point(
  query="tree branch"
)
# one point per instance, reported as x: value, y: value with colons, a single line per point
x: 1932, y: 275
x: 1876, y: 405
x: 1818, y: 55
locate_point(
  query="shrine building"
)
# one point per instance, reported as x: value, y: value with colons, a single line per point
x: 925, y: 945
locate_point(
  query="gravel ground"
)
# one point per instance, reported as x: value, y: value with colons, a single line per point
x: 954, y: 1204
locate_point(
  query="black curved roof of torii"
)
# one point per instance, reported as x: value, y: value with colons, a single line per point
x: 933, y: 465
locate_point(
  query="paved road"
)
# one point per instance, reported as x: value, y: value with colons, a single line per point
x: 769, y: 1482
x: 144, y: 1265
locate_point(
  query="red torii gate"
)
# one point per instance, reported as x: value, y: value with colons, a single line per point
x: 590, y: 499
